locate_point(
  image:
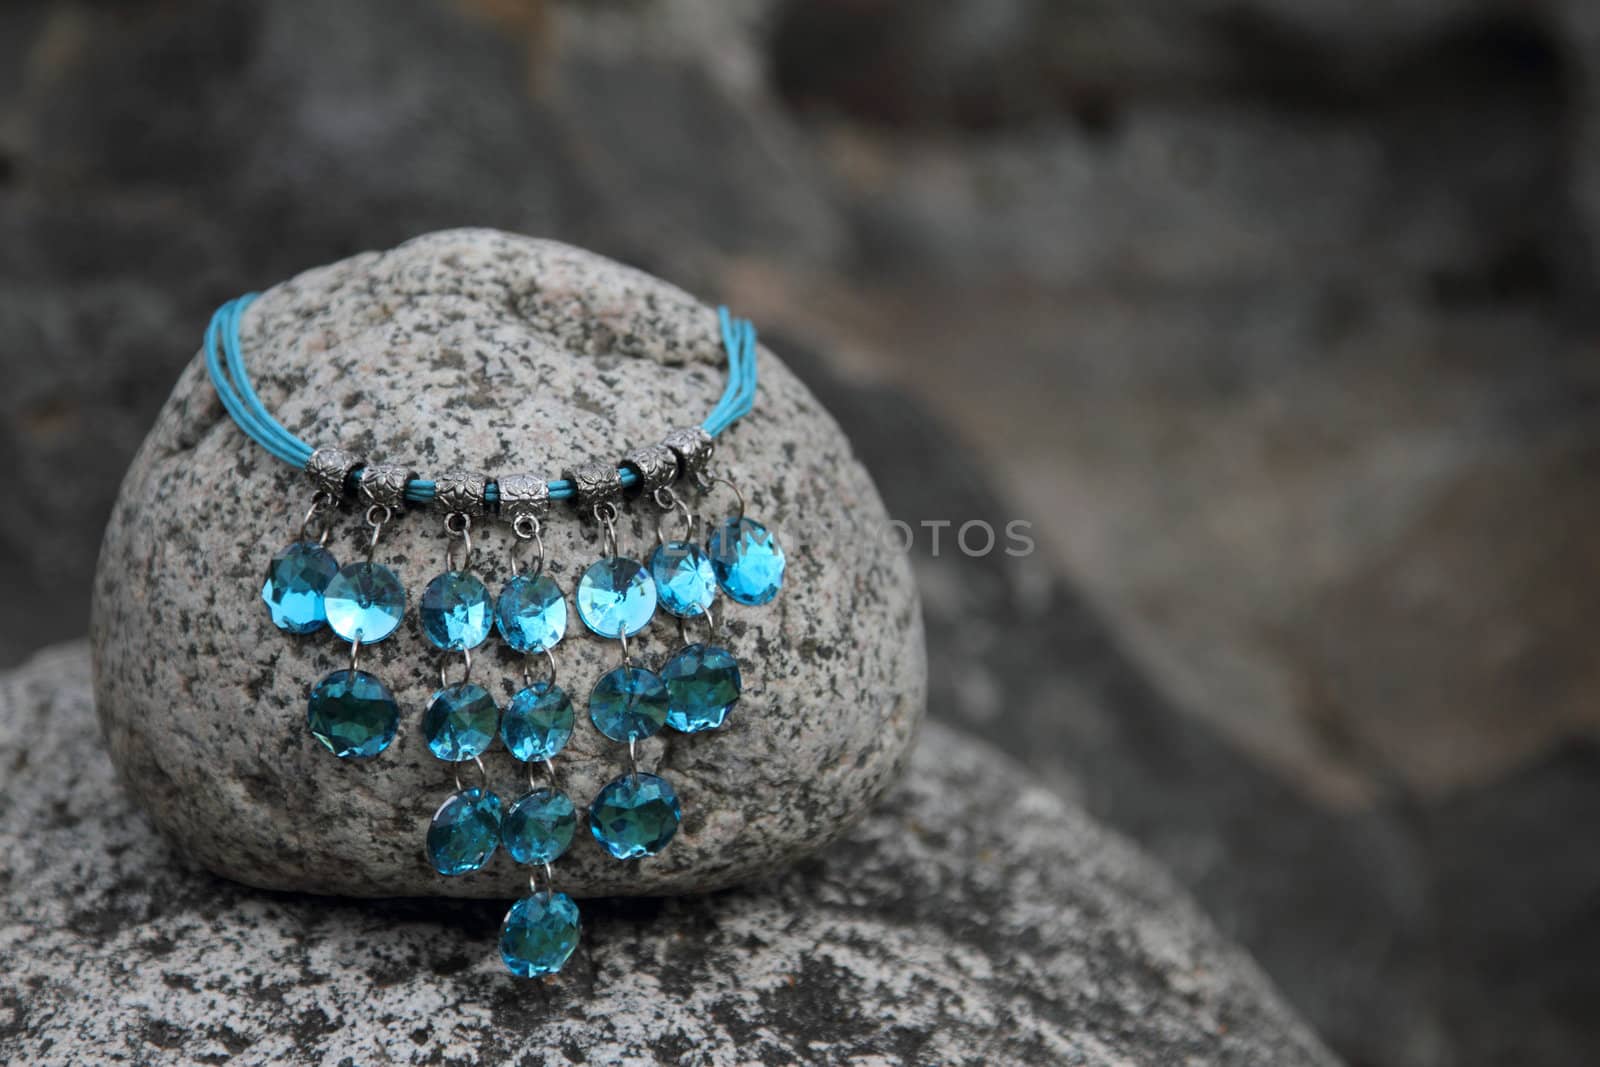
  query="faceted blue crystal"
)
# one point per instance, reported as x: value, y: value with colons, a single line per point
x: 747, y: 560
x: 628, y: 704
x: 684, y: 579
x: 539, y: 934
x: 703, y: 685
x: 460, y: 722
x: 635, y: 815
x: 616, y: 596
x: 538, y: 827
x: 456, y: 611
x: 537, y: 722
x: 531, y: 614
x: 353, y: 714
x: 364, y: 601
x: 464, y: 831
x: 296, y: 580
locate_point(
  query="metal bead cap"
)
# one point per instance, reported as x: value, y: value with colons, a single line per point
x: 522, y: 494
x: 330, y: 468
x: 693, y: 447
x: 594, y: 484
x: 656, y: 466
x: 461, y: 490
x: 384, y: 485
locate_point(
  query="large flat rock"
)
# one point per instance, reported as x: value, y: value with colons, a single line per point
x: 973, y: 917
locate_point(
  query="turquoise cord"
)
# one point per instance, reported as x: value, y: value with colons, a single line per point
x: 232, y: 382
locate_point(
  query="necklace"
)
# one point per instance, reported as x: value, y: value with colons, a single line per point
x: 354, y: 715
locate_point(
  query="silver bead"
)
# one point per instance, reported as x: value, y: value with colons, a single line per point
x: 693, y: 447
x: 522, y: 494
x: 656, y: 465
x: 461, y: 491
x: 385, y: 485
x: 594, y: 484
x: 330, y: 468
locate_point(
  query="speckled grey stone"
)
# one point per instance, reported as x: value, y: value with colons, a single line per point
x: 973, y: 919
x: 478, y: 349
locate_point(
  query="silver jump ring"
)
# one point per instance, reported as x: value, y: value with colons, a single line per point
x: 483, y: 773
x: 711, y: 625
x: 466, y: 675
x: 319, y: 500
x: 355, y: 649
x: 725, y: 480
x: 527, y: 529
x: 605, y: 513
x: 377, y: 516
x: 622, y: 635
x: 633, y: 756
x: 527, y: 673
x: 458, y: 525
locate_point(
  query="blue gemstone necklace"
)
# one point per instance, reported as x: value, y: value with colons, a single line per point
x: 354, y: 715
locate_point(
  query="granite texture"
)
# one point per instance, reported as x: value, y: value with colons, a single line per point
x: 477, y: 348
x: 975, y: 918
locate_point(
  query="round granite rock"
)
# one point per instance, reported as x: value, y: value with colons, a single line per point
x: 975, y: 918
x: 478, y: 349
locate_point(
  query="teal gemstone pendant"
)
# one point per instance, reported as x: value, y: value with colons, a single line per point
x: 685, y: 582
x: 746, y: 559
x: 538, y: 827
x: 460, y: 722
x: 364, y: 602
x: 353, y: 714
x: 464, y: 831
x: 628, y: 704
x: 616, y: 597
x: 297, y: 578
x: 456, y: 611
x: 531, y: 614
x: 539, y: 934
x: 703, y: 685
x: 538, y: 722
x: 635, y: 815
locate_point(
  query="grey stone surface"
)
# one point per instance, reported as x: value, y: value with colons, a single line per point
x: 480, y: 349
x: 974, y: 918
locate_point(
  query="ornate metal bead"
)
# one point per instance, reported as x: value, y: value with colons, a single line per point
x: 594, y: 484
x: 461, y: 491
x: 384, y: 485
x: 330, y: 468
x: 522, y: 494
x: 656, y: 465
x: 693, y: 447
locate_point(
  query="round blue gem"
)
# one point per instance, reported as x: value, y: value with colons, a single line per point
x: 539, y: 934
x: 616, y: 596
x: 531, y: 613
x: 538, y: 827
x: 364, y: 602
x: 537, y: 722
x: 353, y: 714
x: 456, y: 611
x: 628, y: 704
x: 684, y: 579
x: 464, y: 831
x: 635, y: 815
x: 460, y: 722
x: 747, y: 560
x: 703, y: 685
x: 296, y: 580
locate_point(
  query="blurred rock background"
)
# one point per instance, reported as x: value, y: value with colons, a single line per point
x: 1276, y: 318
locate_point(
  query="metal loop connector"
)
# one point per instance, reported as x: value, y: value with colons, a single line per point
x: 458, y: 525
x: 483, y: 773
x: 320, y: 501
x: 466, y: 673
x: 527, y: 672
x: 377, y: 515
x: 528, y: 529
